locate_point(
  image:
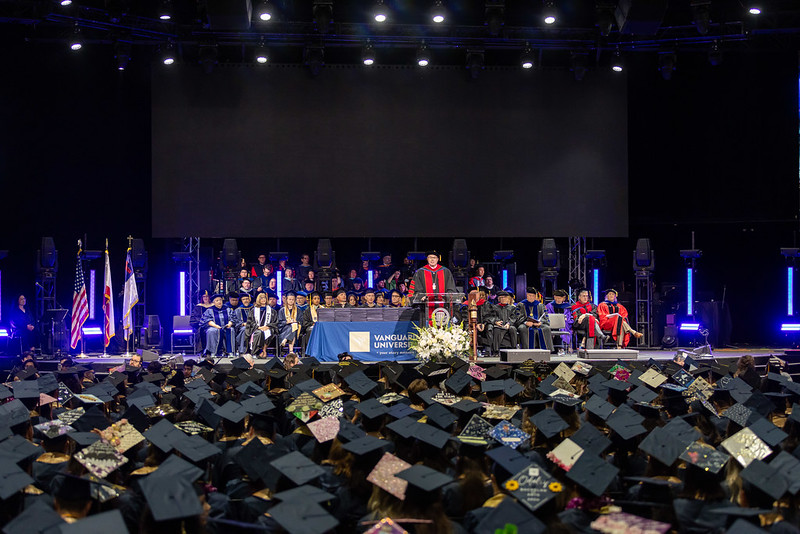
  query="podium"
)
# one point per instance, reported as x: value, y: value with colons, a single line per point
x: 439, y: 307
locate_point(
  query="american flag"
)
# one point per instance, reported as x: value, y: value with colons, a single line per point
x: 80, y: 305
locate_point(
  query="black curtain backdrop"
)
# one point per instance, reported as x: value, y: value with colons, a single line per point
x: 714, y: 151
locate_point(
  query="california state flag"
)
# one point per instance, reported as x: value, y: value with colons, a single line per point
x: 108, y: 304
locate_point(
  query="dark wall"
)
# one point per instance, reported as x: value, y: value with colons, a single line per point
x: 714, y: 151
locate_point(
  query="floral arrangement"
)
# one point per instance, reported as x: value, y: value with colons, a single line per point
x: 436, y: 343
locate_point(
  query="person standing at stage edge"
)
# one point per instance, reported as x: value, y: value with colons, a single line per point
x: 432, y: 278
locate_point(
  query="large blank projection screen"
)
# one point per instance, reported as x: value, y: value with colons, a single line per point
x: 387, y: 152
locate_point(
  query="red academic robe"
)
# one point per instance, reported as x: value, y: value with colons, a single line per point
x: 579, y: 309
x: 613, y: 322
x: 438, y: 280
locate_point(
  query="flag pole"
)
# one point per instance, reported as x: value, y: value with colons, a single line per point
x: 105, y: 327
x: 80, y: 329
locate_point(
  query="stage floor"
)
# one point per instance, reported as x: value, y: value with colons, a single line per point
x: 645, y: 354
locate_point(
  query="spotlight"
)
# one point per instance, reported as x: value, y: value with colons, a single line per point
x: 380, y: 13
x: 528, y: 58
x: 715, y: 54
x: 165, y: 10
x: 701, y: 15
x: 323, y: 13
x: 754, y: 8
x: 578, y: 65
x: 168, y: 55
x: 76, y: 43
x: 549, y: 12
x: 495, y: 9
x: 65, y: 3
x: 314, y: 58
x: 261, y: 54
x: 438, y: 13
x: 122, y: 53
x: 368, y: 55
x: 616, y: 62
x: 666, y: 64
x: 264, y: 10
x: 475, y: 63
x: 423, y: 56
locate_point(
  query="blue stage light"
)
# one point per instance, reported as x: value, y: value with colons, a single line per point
x: 687, y: 327
x: 3, y: 332
x: 92, y: 331
x: 505, y: 278
x: 689, y: 293
x: 279, y: 286
x: 182, y: 331
x: 369, y: 279
x: 596, y: 285
x: 182, y: 293
x: 790, y: 291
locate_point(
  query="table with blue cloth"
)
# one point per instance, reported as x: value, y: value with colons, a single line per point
x: 365, y: 340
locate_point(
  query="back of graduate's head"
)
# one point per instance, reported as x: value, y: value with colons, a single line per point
x: 414, y: 388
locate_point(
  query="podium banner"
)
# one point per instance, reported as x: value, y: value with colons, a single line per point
x: 367, y: 341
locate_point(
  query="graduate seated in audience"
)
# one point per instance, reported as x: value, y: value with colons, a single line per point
x: 536, y: 324
x: 613, y: 318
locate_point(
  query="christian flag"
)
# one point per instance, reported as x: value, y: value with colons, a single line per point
x: 108, y: 304
x: 80, y: 305
x: 130, y: 298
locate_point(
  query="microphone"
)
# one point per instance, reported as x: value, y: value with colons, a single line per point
x: 40, y: 286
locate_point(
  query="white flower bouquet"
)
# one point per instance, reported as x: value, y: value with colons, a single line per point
x: 440, y: 342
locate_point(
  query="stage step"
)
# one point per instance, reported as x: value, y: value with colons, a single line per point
x: 521, y: 355
x: 608, y: 354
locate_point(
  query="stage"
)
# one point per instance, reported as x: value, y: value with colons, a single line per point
x: 761, y: 355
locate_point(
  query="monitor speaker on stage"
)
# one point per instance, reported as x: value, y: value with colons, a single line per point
x: 152, y: 331
x: 47, y: 257
x: 644, y: 258
x: 230, y: 253
x: 460, y: 255
x: 324, y: 256
x: 138, y: 255
x: 549, y: 257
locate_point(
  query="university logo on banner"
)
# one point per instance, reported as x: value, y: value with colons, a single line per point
x: 359, y: 342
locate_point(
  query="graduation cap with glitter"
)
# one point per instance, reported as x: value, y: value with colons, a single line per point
x: 477, y: 431
x: 193, y: 428
x: 334, y: 408
x: 324, y: 429
x: 509, y: 435
x: 745, y: 446
x: 100, y: 458
x: 704, y: 457
x: 305, y: 406
x: 494, y: 411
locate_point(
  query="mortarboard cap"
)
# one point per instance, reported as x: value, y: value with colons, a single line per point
x: 35, y: 519
x: 258, y: 404
x: 304, y: 494
x: 403, y: 427
x: 297, y: 468
x: 789, y: 468
x: 365, y: 445
x: 662, y: 446
x: 745, y: 446
x: 590, y: 439
x: 231, y: 411
x: 766, y: 478
x: 195, y: 448
x: 642, y: 394
x: 768, y: 432
x: 509, y: 459
x: 549, y: 423
x: 360, y: 383
x: 440, y: 416
x: 431, y: 435
x: 170, y: 497
x: 400, y: 410
x: 509, y: 512
x: 303, y: 517
x: 101, y: 523
x: 459, y: 381
x: 492, y: 386
x: 424, y: 477
x: 599, y: 407
x: 372, y: 409
x: 592, y: 473
x: 12, y: 478
x: 175, y: 466
x: 467, y: 405
x: 626, y: 422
